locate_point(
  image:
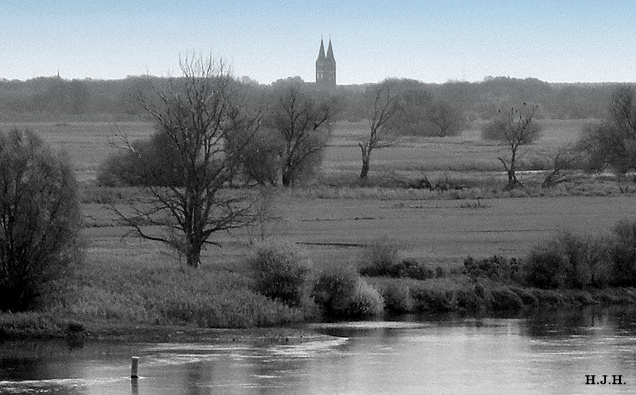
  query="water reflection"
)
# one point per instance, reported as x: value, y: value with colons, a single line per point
x: 548, y: 353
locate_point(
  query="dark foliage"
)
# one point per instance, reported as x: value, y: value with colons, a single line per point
x: 335, y: 288
x: 405, y: 268
x: 301, y: 118
x: 282, y: 271
x: 612, y: 143
x: 495, y: 267
x: 623, y: 254
x: 39, y: 219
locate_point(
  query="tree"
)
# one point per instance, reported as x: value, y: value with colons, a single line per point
x: 567, y: 157
x: 514, y: 129
x: 195, y: 116
x: 303, y: 121
x: 422, y: 113
x: 414, y: 103
x: 447, y: 120
x: 384, y: 108
x: 612, y: 143
x: 39, y: 218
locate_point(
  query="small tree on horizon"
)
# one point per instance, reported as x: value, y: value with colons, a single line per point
x: 195, y: 115
x: 514, y: 129
x: 385, y: 107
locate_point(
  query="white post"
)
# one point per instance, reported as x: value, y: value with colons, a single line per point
x: 134, y: 367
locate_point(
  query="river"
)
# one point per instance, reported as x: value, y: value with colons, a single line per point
x: 549, y: 353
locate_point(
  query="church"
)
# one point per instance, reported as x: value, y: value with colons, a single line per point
x: 325, y: 66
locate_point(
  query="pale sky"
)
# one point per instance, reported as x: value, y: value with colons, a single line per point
x: 431, y: 41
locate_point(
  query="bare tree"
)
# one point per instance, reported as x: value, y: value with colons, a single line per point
x: 195, y: 116
x: 514, y: 129
x: 566, y: 158
x: 302, y: 120
x: 384, y: 108
x: 612, y: 143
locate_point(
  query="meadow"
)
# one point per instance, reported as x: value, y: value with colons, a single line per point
x: 334, y: 219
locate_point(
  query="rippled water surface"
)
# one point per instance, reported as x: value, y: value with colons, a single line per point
x: 550, y: 354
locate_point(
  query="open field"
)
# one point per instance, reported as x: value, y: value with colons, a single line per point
x: 89, y: 143
x: 438, y: 230
x: 441, y: 232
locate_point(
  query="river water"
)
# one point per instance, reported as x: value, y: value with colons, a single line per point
x: 550, y: 353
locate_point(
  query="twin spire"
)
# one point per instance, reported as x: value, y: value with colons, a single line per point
x: 321, y: 53
x: 326, y: 66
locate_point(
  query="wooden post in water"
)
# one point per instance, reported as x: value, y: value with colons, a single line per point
x: 134, y: 367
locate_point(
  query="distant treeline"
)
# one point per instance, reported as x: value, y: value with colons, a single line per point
x: 46, y: 98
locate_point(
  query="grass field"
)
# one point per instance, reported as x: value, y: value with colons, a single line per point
x: 89, y: 143
x: 334, y: 223
x: 432, y: 228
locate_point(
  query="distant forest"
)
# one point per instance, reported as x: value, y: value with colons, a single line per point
x: 53, y: 98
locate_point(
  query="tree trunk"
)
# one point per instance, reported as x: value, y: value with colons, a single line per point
x: 364, y: 172
x: 286, y: 179
x: 193, y: 257
x: 366, y: 159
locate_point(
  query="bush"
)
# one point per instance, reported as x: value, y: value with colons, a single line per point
x: 496, y: 268
x: 569, y: 261
x: 397, y: 298
x: 380, y: 258
x: 433, y: 300
x: 342, y: 293
x: 261, y: 159
x: 335, y: 288
x: 366, y: 301
x: 383, y: 258
x: 504, y: 299
x: 282, y: 271
x: 623, y: 254
x: 38, y: 202
x: 161, y: 164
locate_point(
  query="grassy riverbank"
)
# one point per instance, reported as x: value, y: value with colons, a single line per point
x: 177, y: 304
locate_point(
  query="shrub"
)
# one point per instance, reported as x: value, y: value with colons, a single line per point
x: 38, y: 202
x: 495, y: 267
x: 433, y: 300
x: 504, y: 299
x: 261, y: 159
x: 342, y: 293
x: 569, y: 261
x: 383, y: 258
x: 623, y: 254
x: 335, y: 288
x: 380, y: 258
x: 397, y: 298
x: 282, y: 271
x: 161, y: 164
x: 365, y: 302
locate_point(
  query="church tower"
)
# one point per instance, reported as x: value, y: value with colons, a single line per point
x: 326, y: 66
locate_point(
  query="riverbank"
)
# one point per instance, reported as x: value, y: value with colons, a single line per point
x: 32, y: 326
x: 461, y: 295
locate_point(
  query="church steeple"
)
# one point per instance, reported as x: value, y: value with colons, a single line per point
x: 326, y: 66
x: 321, y: 53
x: 329, y: 52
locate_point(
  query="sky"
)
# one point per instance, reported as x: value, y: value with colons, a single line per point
x: 431, y: 41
